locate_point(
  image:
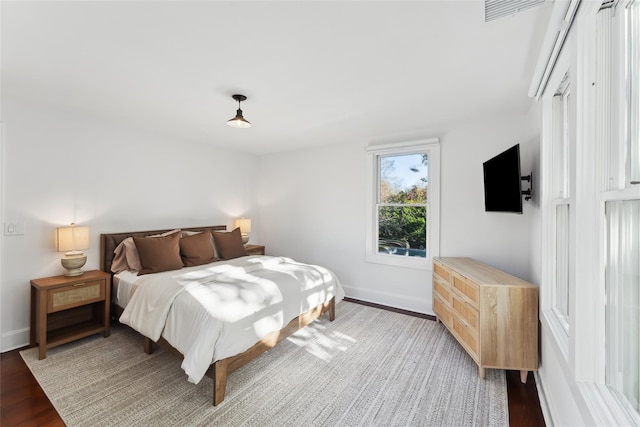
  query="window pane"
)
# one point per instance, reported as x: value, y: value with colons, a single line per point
x: 561, y: 135
x: 402, y: 230
x: 562, y: 261
x: 403, y: 179
x: 623, y: 300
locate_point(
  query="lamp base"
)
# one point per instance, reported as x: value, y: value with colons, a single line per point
x: 245, y: 238
x: 73, y: 263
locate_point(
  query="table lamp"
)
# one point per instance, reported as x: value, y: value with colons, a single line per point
x: 72, y: 240
x: 245, y: 228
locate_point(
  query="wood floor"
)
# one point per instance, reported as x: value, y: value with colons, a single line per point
x: 23, y: 403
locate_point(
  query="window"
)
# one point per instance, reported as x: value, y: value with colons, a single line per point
x: 590, y: 209
x: 558, y: 208
x: 403, y: 221
x: 561, y: 200
x: 402, y: 204
x: 621, y: 240
x: 590, y: 167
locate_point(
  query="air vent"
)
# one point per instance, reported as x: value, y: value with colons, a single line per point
x: 494, y: 9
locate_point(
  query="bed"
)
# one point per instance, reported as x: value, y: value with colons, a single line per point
x: 219, y: 315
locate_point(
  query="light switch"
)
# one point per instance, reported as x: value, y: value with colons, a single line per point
x: 13, y: 228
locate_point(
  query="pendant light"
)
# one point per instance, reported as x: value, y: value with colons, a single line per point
x: 238, y: 121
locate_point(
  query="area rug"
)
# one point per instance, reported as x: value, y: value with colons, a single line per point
x: 370, y: 367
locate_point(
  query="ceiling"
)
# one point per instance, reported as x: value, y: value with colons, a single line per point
x: 314, y: 72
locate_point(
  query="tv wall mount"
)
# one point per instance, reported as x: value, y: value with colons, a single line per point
x: 528, y: 194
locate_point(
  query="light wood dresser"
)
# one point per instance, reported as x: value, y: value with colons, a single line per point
x: 492, y: 314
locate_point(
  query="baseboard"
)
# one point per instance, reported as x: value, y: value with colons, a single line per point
x: 544, y: 405
x: 395, y: 310
x: 413, y: 304
x: 15, y: 339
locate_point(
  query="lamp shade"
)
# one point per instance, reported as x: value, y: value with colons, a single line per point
x: 239, y: 121
x: 244, y: 224
x: 72, y: 238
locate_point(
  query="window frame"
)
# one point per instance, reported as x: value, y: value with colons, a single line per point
x: 622, y: 189
x: 431, y: 147
x: 598, y: 177
x: 556, y: 95
x: 563, y: 116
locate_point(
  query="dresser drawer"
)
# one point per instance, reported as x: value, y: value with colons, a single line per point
x: 441, y: 290
x: 466, y: 288
x: 75, y: 295
x: 442, y: 271
x: 443, y: 311
x: 466, y: 337
x: 465, y: 312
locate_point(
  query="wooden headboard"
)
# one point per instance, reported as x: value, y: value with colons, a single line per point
x: 109, y: 242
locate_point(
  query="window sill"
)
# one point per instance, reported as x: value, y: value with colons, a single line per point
x: 400, y: 261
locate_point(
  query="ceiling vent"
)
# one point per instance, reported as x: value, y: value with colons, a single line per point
x: 494, y: 9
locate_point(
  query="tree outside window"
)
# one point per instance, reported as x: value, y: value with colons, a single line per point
x: 402, y: 204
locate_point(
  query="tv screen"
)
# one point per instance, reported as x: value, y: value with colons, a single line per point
x: 502, y: 183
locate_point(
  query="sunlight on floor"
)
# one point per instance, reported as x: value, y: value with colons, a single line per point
x: 321, y: 345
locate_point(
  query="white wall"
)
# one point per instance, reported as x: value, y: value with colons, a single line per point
x: 312, y: 207
x: 307, y: 204
x: 501, y: 240
x: 60, y: 168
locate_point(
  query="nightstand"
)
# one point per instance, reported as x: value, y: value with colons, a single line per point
x: 255, y: 249
x: 64, y: 309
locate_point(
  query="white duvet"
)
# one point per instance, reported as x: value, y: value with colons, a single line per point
x: 218, y: 310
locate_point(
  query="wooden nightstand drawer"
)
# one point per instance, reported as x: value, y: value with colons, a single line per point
x: 75, y: 295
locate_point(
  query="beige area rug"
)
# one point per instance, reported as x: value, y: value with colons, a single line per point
x: 369, y: 367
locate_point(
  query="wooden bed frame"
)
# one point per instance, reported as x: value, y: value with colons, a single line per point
x: 220, y: 369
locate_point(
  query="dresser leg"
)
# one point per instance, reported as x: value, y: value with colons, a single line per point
x: 482, y: 372
x: 523, y: 376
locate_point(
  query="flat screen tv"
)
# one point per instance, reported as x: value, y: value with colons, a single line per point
x: 502, y: 182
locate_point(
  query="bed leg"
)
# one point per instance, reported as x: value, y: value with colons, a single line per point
x: 219, y: 381
x: 332, y: 309
x: 149, y: 345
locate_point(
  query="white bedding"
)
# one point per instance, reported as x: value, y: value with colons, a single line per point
x: 123, y: 285
x: 218, y: 310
